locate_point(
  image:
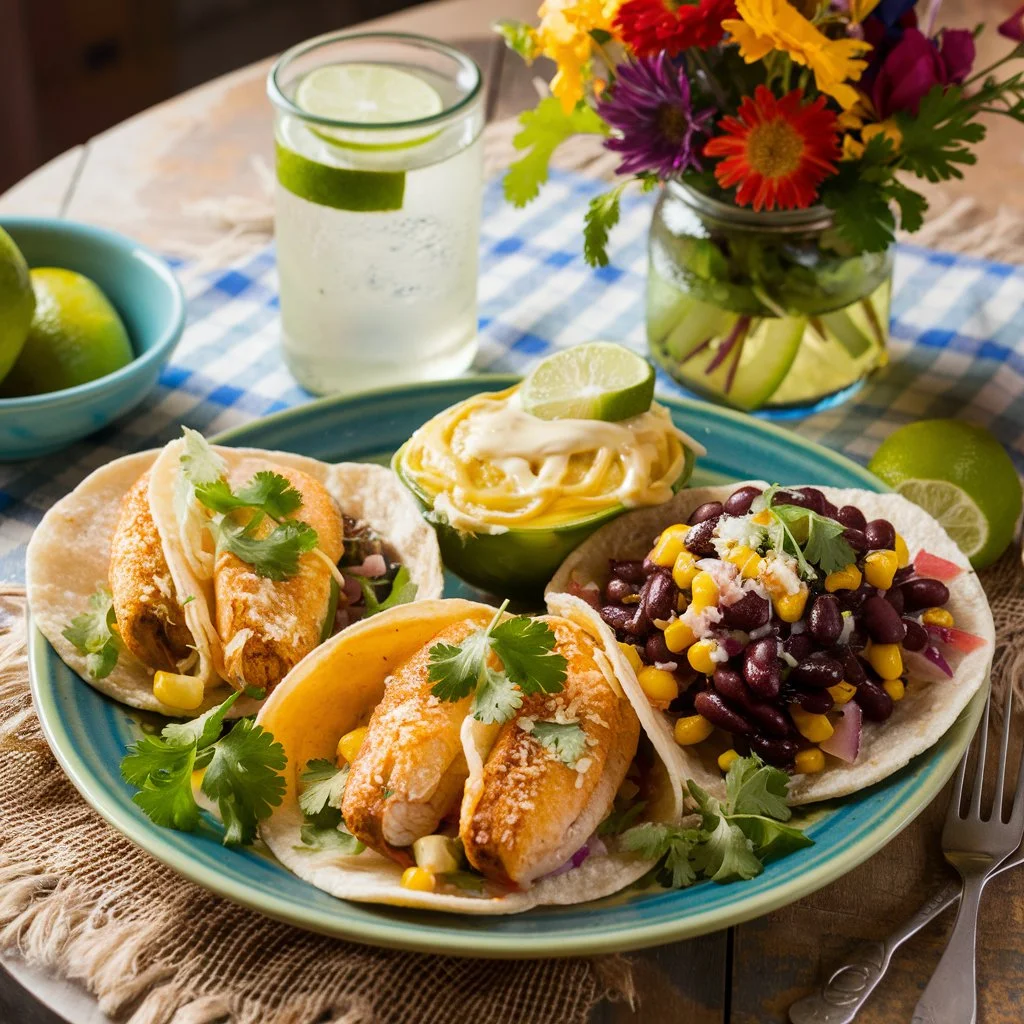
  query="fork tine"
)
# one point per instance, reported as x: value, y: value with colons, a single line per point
x: 1004, y: 750
x: 979, y: 770
x: 1018, y: 801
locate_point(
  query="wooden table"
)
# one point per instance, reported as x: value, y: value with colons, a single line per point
x: 138, y: 177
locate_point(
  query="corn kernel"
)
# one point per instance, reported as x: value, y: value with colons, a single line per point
x: 843, y: 579
x: 937, y: 617
x: 705, y: 592
x: 880, y: 567
x: 681, y: 602
x: 895, y: 688
x: 684, y: 569
x: 762, y: 518
x: 809, y: 761
x: 177, y: 691
x: 632, y: 655
x: 816, y: 728
x: 692, y: 729
x: 418, y: 879
x: 349, y: 744
x: 790, y: 607
x: 885, y: 659
x: 659, y: 685
x: 747, y: 560
x: 726, y: 758
x: 843, y: 693
x: 902, y: 553
x: 678, y: 636
x: 699, y: 656
x: 667, y: 547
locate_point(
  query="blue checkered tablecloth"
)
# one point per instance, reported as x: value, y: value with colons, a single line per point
x: 957, y: 348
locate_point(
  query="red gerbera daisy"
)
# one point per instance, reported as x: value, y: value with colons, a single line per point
x: 650, y: 26
x: 778, y: 151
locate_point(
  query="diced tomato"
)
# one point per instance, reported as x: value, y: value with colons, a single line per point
x: 589, y: 592
x: 936, y: 568
x: 959, y: 639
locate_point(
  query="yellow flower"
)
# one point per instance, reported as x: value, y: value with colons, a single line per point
x: 860, y: 9
x: 564, y: 36
x: 776, y: 25
x: 889, y: 128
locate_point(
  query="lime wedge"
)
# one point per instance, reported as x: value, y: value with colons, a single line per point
x: 956, y: 511
x: 339, y: 187
x: 597, y: 381
x: 370, y: 94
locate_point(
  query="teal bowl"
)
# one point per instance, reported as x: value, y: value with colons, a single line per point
x: 143, y: 290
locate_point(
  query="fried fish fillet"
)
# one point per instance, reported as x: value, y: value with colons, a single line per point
x: 411, y: 769
x: 532, y: 812
x: 150, y: 618
x: 267, y: 626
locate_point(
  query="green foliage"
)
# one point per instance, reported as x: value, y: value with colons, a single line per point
x: 519, y: 38
x: 92, y: 634
x: 936, y: 142
x: 566, y: 740
x: 275, y: 556
x: 403, y: 591
x: 602, y: 215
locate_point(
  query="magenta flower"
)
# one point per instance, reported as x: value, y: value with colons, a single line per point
x: 1013, y: 27
x: 916, y: 64
x: 650, y: 105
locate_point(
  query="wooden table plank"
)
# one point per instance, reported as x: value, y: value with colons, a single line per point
x: 47, y: 191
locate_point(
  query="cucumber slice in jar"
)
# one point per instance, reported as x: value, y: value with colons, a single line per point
x: 678, y: 324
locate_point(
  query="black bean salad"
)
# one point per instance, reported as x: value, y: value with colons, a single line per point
x: 782, y: 621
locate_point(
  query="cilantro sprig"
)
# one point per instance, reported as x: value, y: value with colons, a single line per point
x: 566, y: 740
x: 323, y: 828
x: 242, y: 773
x: 92, y: 634
x: 525, y: 648
x: 735, y: 837
x: 403, y: 591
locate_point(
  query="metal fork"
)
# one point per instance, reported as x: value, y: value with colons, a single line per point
x: 975, y: 846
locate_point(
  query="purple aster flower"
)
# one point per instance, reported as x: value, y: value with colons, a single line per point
x: 650, y: 106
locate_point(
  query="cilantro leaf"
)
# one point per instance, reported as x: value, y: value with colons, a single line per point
x: 815, y: 538
x: 403, y: 591
x: 339, y: 840
x: 243, y: 778
x: 544, y: 129
x: 935, y: 141
x: 454, y: 669
x: 753, y: 787
x: 203, y: 731
x: 92, y: 634
x: 912, y: 205
x: 861, y: 213
x: 276, y: 556
x: 199, y: 462
x: 272, y: 493
x: 519, y: 37
x: 162, y: 772
x: 526, y: 649
x: 323, y: 785
x: 726, y: 853
x: 497, y: 698
x: 770, y: 838
x: 602, y: 215
x: 621, y: 818
x: 656, y: 840
x: 566, y: 740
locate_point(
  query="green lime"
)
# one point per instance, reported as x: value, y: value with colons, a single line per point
x: 961, y: 475
x: 339, y: 187
x: 76, y: 336
x: 597, y: 381
x: 17, y: 302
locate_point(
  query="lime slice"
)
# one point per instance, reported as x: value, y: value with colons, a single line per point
x: 370, y: 94
x: 597, y: 381
x: 960, y: 474
x: 339, y: 187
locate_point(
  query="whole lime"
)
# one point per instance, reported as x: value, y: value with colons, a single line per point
x: 960, y: 474
x: 17, y: 302
x: 76, y: 336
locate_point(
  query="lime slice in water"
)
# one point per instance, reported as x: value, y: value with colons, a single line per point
x: 597, y: 381
x: 371, y: 94
x: 339, y: 187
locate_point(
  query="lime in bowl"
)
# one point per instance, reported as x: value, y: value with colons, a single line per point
x: 584, y: 400
x: 128, y: 302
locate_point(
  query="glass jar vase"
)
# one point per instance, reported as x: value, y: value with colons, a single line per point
x: 769, y: 311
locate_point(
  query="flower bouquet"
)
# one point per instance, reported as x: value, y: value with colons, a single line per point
x: 785, y: 136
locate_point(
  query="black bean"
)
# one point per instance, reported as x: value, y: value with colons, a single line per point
x: 729, y: 683
x: 649, y: 567
x: 816, y: 496
x: 798, y: 646
x: 850, y: 515
x: 718, y: 713
x: 851, y: 600
x: 781, y: 630
x: 658, y: 597
x: 768, y: 717
x: 698, y: 540
x: 617, y: 615
x: 817, y: 702
x: 639, y: 625
x: 924, y: 593
x: 709, y: 510
x: 902, y: 575
x: 616, y: 590
x: 799, y: 499
x: 880, y: 534
x: 683, y: 704
x: 857, y: 539
x: 917, y: 636
x: 895, y: 597
x: 738, y: 503
x: 656, y: 650
x: 632, y: 570
x: 874, y: 701
x: 853, y: 669
x: 817, y: 669
x: 761, y: 668
x: 829, y: 510
x: 882, y: 621
x: 750, y: 612
x: 825, y: 621
x: 779, y: 753
x: 857, y: 640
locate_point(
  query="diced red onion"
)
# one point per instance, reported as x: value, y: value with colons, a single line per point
x: 373, y: 566
x: 756, y: 634
x: 844, y: 742
x: 667, y: 666
x: 798, y: 627
x: 353, y: 591
x: 924, y: 666
x: 588, y: 592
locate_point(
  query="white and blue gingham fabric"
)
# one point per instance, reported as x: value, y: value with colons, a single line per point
x: 956, y: 349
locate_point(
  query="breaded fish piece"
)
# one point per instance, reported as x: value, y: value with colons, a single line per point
x: 150, y: 618
x: 410, y: 770
x: 267, y: 626
x: 532, y: 811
